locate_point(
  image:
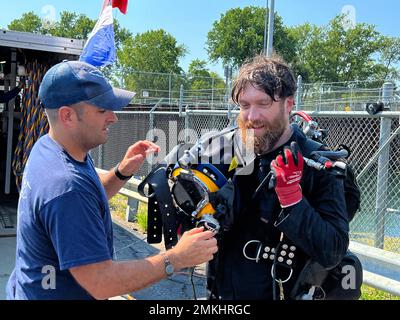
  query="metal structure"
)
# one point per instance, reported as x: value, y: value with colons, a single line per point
x: 32, y: 41
x: 271, y: 21
x: 178, y: 88
x: 265, y: 27
x: 18, y: 48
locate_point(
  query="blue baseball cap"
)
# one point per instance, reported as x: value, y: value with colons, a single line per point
x: 71, y: 82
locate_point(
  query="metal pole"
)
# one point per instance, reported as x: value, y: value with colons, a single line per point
x: 151, y: 128
x: 265, y: 28
x: 169, y: 88
x: 271, y: 28
x: 180, y: 100
x: 299, y: 92
x: 228, y: 77
x: 101, y: 156
x: 321, y: 90
x: 10, y: 126
x: 187, y: 124
x: 383, y: 170
x: 212, y: 92
x: 131, y: 210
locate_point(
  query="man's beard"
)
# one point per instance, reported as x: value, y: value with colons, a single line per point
x: 265, y: 143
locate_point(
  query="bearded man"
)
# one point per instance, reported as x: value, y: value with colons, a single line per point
x: 273, y: 229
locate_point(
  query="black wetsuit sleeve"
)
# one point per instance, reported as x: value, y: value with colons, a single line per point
x: 319, y: 223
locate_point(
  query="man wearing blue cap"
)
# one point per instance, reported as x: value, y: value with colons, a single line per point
x: 64, y: 238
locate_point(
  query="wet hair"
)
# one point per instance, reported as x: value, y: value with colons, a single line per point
x: 271, y: 75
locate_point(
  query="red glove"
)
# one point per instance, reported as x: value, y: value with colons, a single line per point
x: 287, y: 170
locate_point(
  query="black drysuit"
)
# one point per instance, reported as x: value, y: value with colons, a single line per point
x: 316, y: 228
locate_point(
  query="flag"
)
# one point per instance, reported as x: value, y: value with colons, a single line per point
x: 99, y: 49
x: 122, y: 5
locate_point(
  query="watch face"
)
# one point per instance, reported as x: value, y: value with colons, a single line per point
x: 169, y: 269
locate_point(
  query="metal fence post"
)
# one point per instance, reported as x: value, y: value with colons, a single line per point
x: 212, y: 92
x: 187, y: 137
x: 383, y: 169
x: 131, y: 210
x: 101, y: 156
x: 169, y: 87
x: 10, y: 123
x: 151, y: 128
x: 299, y: 92
x: 321, y: 90
x: 180, y: 100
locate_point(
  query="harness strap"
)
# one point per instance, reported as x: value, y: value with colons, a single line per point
x: 161, y: 211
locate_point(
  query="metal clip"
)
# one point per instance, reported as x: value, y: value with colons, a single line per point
x: 259, y: 248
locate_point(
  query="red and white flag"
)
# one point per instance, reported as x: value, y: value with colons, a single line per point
x: 122, y: 5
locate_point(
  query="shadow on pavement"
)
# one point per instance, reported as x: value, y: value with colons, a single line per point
x: 129, y: 244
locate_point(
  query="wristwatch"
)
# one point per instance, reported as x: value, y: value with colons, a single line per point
x: 168, y: 267
x: 119, y: 175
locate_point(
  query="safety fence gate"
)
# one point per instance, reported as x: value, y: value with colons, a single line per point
x: 373, y: 140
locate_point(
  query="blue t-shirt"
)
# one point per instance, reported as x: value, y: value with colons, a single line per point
x: 63, y: 221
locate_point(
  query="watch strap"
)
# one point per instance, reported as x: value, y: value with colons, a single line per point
x: 119, y: 175
x: 168, y: 267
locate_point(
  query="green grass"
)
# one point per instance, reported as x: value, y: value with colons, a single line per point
x: 142, y: 217
x: 368, y: 293
x: 118, y: 205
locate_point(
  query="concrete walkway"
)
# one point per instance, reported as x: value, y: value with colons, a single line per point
x: 8, y: 222
x: 129, y: 244
x: 7, y: 262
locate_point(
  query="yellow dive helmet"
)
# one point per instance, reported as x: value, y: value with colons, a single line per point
x: 191, y: 188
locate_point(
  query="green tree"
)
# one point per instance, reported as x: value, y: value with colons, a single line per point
x: 154, y: 51
x: 70, y: 25
x: 389, y: 58
x: 334, y: 53
x: 239, y: 35
x: 203, y: 83
x: 29, y: 22
x: 201, y: 78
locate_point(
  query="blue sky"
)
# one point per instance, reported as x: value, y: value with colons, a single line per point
x: 190, y: 20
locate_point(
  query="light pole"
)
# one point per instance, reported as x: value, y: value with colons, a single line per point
x: 271, y: 29
x: 265, y: 28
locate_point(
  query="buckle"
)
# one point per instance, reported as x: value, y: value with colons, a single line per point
x: 258, y: 250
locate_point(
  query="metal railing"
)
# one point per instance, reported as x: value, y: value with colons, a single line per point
x: 206, y: 92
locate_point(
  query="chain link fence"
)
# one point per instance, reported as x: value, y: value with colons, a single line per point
x: 375, y: 157
x: 192, y: 89
x: 214, y: 93
x: 377, y: 168
x: 344, y: 96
